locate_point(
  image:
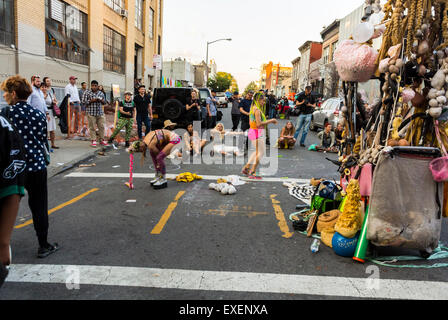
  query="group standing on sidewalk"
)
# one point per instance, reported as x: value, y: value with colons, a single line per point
x: 31, y: 124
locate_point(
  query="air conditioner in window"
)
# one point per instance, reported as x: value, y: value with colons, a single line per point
x: 124, y: 13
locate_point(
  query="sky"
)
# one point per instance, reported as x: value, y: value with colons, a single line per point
x: 261, y: 31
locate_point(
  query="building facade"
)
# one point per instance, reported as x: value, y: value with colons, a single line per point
x: 329, y: 74
x: 310, y: 52
x: 200, y: 75
x: 111, y: 41
x: 295, y: 74
x: 180, y: 70
x: 273, y: 77
x: 371, y: 88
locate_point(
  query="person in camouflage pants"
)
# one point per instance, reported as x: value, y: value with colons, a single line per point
x: 125, y: 118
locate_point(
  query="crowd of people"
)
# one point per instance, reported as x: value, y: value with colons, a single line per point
x: 28, y: 127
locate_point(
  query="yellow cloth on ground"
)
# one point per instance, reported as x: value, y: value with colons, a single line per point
x: 188, y: 177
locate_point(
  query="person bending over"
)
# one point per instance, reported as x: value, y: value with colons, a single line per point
x: 160, y: 144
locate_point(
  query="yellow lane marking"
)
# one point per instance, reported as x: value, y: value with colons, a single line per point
x: 280, y: 215
x: 59, y: 207
x: 166, y: 216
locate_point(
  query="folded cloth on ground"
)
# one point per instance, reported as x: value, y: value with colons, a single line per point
x: 188, y: 177
x: 302, y: 192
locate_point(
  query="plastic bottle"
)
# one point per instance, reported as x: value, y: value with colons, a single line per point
x: 315, y: 246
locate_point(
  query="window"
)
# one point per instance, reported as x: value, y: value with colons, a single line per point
x: 66, y: 32
x: 139, y: 14
x: 151, y: 23
x: 334, y: 46
x: 116, y: 5
x: 7, y: 27
x: 114, y: 51
x: 326, y: 55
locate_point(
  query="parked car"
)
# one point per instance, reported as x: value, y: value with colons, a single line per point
x: 221, y: 97
x: 170, y: 104
x: 329, y: 112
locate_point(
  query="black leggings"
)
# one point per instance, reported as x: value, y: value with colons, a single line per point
x: 36, y: 186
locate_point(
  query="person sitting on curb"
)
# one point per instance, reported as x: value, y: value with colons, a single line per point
x: 327, y: 140
x: 286, y: 140
x: 160, y: 144
x: 125, y: 118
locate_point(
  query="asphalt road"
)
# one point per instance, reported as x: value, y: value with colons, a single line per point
x: 242, y: 246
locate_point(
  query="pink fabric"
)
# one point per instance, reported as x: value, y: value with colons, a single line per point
x: 355, y: 62
x: 365, y: 180
x: 255, y: 134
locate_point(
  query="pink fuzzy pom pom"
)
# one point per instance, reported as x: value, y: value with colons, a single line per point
x: 408, y: 95
x: 355, y: 62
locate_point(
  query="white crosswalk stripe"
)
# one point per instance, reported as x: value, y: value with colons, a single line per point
x: 228, y: 281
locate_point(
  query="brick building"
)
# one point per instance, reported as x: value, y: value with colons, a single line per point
x: 111, y: 41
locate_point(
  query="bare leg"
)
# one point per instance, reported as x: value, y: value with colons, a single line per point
x: 9, y: 207
x: 260, y: 146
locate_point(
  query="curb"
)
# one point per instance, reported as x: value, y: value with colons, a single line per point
x: 54, y: 171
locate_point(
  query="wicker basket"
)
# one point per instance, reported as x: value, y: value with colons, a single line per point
x: 327, y: 220
x: 326, y: 236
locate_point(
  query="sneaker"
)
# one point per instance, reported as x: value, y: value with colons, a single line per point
x: 303, y: 145
x: 161, y: 184
x: 44, y: 252
x: 156, y: 179
x: 104, y: 143
x: 94, y: 144
x: 3, y: 273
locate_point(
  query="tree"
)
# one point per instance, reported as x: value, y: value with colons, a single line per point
x: 234, y: 86
x: 251, y: 86
x: 220, y: 82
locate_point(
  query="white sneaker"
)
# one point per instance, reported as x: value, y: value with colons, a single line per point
x: 156, y: 179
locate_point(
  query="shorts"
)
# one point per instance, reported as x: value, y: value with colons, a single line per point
x: 75, y: 106
x: 255, y: 134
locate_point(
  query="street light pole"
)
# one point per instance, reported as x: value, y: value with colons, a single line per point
x: 206, y: 59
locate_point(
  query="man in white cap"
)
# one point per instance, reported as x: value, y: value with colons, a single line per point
x: 75, y: 101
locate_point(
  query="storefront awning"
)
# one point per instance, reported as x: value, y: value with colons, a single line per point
x: 55, y: 33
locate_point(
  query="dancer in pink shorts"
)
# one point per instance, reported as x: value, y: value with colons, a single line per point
x: 258, y: 123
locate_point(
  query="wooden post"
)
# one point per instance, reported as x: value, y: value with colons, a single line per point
x: 116, y: 114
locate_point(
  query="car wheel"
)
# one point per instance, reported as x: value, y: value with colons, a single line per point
x: 172, y: 109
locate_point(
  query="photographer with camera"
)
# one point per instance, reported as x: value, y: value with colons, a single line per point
x: 307, y: 104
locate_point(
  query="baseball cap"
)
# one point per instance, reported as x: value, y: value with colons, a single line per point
x: 73, y: 78
x: 128, y: 93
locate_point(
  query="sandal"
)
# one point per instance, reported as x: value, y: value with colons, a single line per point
x: 245, y: 172
x: 253, y: 176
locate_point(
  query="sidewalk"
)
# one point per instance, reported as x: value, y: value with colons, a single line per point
x: 71, y: 152
x: 77, y: 148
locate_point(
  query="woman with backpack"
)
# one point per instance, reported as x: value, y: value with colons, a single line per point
x: 125, y: 118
